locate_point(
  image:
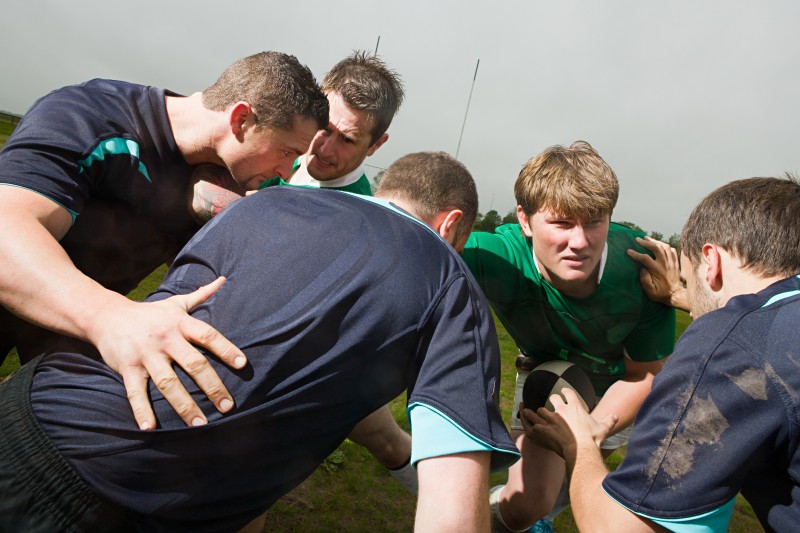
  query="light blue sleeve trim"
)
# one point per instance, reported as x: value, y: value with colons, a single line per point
x: 115, y: 146
x: 434, y: 434
x: 72, y: 213
x: 781, y: 296
x: 715, y: 521
x: 390, y: 206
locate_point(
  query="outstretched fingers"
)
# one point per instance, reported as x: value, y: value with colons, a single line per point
x: 200, y: 370
x: 159, y: 369
x: 199, y: 296
x: 205, y: 336
x: 144, y: 340
x: 135, y: 381
x: 195, y: 364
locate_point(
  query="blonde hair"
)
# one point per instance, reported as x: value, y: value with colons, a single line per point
x: 570, y: 181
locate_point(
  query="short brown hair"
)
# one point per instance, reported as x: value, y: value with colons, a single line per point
x: 756, y: 220
x: 276, y: 85
x: 573, y: 181
x: 365, y: 83
x: 433, y: 182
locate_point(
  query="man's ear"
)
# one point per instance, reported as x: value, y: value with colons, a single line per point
x: 239, y: 114
x: 712, y: 261
x: 524, y: 221
x: 446, y: 225
x: 377, y: 144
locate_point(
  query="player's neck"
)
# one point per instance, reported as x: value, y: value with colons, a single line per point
x: 581, y: 288
x: 193, y: 126
x: 737, y: 279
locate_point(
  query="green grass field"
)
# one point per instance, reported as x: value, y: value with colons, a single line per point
x: 5, y: 130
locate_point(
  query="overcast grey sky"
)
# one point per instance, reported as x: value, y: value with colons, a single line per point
x: 679, y: 97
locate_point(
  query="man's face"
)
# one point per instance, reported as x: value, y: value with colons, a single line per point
x: 701, y: 299
x: 267, y: 152
x: 568, y: 250
x: 344, y: 144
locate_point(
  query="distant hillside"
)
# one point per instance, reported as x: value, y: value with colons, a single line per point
x: 13, y: 118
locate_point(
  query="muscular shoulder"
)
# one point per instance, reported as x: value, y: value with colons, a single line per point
x: 502, y: 262
x: 93, y: 98
x: 620, y: 239
x: 621, y: 273
x: 507, y: 246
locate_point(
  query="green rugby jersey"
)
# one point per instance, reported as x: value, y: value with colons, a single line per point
x: 592, y: 332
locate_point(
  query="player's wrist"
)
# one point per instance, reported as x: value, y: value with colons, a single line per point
x: 96, y: 322
x: 678, y: 298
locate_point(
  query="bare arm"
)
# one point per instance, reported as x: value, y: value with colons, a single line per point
x: 213, y: 189
x: 453, y: 493
x: 575, y: 435
x: 39, y: 283
x: 624, y: 398
x: 660, y: 276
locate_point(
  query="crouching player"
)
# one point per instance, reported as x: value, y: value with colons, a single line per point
x: 564, y: 287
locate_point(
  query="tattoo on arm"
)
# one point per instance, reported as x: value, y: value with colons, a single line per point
x: 213, y: 190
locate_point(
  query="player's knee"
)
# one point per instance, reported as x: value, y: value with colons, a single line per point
x: 391, y: 453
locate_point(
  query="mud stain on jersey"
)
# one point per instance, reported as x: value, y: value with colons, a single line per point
x: 792, y: 356
x: 702, y: 425
x: 752, y: 382
x: 773, y: 376
x: 657, y: 458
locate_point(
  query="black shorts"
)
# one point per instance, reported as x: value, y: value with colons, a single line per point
x: 39, y: 491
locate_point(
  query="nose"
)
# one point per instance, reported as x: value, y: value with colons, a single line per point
x: 324, y: 145
x: 284, y: 168
x: 577, y: 237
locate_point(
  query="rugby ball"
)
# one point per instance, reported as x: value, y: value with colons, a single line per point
x: 549, y: 378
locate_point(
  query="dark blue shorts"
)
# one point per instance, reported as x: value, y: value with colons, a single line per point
x: 39, y: 491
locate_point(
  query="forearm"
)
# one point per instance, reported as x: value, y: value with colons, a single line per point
x: 140, y: 341
x: 39, y: 283
x: 623, y: 398
x: 592, y: 508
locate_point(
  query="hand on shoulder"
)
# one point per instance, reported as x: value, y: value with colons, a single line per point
x: 660, y: 275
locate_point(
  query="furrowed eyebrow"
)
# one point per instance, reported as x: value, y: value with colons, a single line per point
x: 348, y: 136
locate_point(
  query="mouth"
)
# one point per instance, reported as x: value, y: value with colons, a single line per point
x: 254, y: 182
x: 321, y: 162
x: 576, y: 260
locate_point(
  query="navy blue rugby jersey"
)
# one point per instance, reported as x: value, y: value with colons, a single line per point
x: 722, y: 418
x: 340, y: 304
x: 104, y: 150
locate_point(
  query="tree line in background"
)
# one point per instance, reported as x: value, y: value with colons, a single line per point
x: 492, y: 219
